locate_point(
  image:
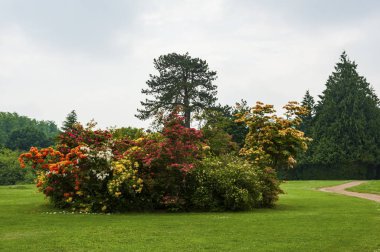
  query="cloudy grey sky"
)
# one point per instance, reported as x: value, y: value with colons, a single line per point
x: 95, y: 56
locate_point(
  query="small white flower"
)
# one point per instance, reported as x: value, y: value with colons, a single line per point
x: 102, y: 175
x: 85, y: 149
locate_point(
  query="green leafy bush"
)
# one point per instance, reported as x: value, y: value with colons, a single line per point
x: 10, y: 172
x: 231, y: 183
x: 130, y: 132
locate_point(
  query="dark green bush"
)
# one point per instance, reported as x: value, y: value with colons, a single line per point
x: 10, y: 172
x: 231, y: 183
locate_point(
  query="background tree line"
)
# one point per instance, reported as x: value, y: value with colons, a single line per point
x: 20, y: 132
x: 344, y: 123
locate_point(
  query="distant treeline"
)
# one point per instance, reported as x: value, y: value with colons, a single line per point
x: 21, y: 132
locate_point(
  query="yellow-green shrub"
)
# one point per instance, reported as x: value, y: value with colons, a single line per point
x: 231, y: 183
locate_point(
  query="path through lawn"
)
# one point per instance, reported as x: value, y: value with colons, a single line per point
x: 341, y: 189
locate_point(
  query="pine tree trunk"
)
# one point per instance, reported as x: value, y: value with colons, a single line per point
x: 187, y: 109
x: 187, y: 117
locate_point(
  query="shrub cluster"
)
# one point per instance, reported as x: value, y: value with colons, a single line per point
x: 92, y: 171
x: 10, y: 172
x: 232, y: 183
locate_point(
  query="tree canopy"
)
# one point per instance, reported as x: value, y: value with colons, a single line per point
x: 274, y: 140
x: 16, y: 132
x: 347, y: 119
x: 344, y: 128
x: 183, y: 83
x: 71, y: 120
x: 221, y: 128
x: 307, y: 119
x: 24, y: 138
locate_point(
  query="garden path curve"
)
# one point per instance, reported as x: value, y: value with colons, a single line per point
x: 341, y: 190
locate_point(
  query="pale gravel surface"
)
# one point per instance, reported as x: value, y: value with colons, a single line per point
x: 341, y: 190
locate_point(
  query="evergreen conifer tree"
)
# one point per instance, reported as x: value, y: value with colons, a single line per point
x: 71, y: 119
x: 309, y: 103
x: 183, y: 83
x: 346, y: 128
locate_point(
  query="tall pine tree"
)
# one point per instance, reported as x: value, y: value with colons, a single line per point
x: 183, y: 83
x: 346, y: 127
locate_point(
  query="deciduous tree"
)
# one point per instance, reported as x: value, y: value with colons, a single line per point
x: 273, y: 140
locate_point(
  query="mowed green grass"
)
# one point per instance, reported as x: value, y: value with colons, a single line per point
x: 304, y: 220
x: 372, y: 186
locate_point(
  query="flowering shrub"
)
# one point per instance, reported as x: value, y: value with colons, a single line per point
x: 176, y: 147
x: 79, y: 135
x: 57, y: 173
x: 166, y: 159
x: 125, y: 178
x: 92, y: 171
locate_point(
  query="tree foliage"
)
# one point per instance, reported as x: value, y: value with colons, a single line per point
x: 21, y: 132
x: 345, y: 128
x: 272, y: 140
x: 307, y: 118
x: 347, y: 119
x: 24, y: 138
x: 183, y: 83
x: 220, y: 128
x: 129, y: 132
x: 71, y: 120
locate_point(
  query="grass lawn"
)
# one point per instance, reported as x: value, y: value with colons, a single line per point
x: 372, y: 186
x: 304, y: 220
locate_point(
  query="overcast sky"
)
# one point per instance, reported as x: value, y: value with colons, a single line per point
x: 95, y: 56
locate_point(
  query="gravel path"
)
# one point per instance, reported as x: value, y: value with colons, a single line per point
x: 341, y: 190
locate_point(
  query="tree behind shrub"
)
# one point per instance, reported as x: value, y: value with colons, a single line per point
x: 272, y: 140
